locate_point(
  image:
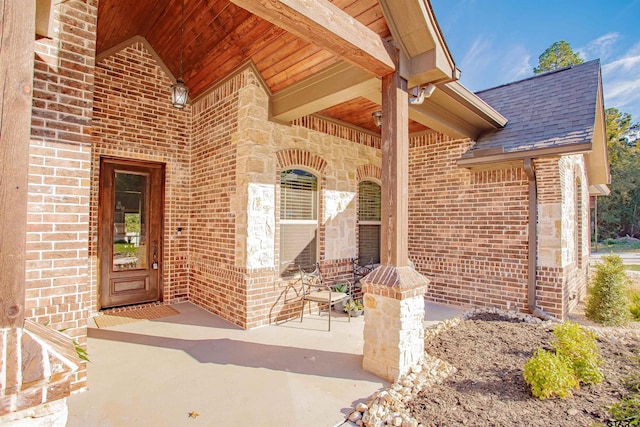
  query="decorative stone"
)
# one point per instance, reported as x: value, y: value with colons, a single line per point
x: 355, y: 416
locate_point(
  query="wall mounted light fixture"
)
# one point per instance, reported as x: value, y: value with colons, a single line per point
x: 180, y: 92
x: 377, y: 118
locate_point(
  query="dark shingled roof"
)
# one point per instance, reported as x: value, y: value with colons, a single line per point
x: 555, y: 109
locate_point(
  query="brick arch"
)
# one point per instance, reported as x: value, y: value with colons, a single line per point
x: 369, y: 171
x: 295, y: 157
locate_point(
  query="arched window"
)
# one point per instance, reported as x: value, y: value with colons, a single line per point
x: 369, y: 202
x: 298, y: 221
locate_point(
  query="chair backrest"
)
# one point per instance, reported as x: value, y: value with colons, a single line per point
x: 311, y: 279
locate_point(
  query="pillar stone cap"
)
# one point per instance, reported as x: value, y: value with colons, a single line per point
x: 395, y: 282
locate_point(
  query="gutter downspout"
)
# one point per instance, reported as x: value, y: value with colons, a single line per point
x: 532, y: 303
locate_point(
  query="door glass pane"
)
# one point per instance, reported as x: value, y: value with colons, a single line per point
x: 129, y: 222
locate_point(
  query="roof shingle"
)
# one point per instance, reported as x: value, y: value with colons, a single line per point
x: 555, y: 109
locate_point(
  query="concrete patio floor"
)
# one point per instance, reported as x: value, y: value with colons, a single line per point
x: 158, y: 372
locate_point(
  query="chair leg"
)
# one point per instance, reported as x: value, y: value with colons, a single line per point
x: 301, y: 311
x: 329, y: 316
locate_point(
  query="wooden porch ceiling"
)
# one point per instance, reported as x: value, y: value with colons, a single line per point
x: 335, y: 72
x: 220, y: 36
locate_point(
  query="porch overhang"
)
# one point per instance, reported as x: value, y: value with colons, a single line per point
x: 423, y: 59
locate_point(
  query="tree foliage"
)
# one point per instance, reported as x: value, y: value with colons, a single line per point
x: 558, y: 55
x: 619, y: 212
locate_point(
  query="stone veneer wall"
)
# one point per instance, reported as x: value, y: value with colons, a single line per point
x: 134, y: 119
x: 467, y: 228
x: 57, y: 290
x: 563, y: 224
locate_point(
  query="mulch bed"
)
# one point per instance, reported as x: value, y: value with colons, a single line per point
x: 488, y: 389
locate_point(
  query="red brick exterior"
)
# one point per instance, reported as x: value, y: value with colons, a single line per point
x: 467, y: 229
x: 134, y: 119
x: 57, y: 288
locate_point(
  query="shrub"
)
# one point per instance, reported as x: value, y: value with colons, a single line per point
x: 549, y: 375
x: 578, y: 347
x: 634, y: 304
x: 608, y: 302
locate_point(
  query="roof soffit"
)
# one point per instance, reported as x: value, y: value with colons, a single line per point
x: 425, y: 57
x: 597, y: 161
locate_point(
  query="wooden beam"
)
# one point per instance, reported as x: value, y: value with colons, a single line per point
x: 327, y: 26
x: 16, y: 82
x: 332, y: 86
x: 395, y: 172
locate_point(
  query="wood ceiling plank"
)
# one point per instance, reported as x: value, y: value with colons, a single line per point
x: 327, y: 26
x: 297, y: 69
x: 298, y: 52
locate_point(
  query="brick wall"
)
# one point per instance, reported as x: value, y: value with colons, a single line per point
x: 134, y: 119
x: 215, y: 282
x: 57, y: 290
x: 467, y: 229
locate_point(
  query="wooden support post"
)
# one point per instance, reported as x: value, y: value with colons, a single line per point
x: 394, y: 292
x: 16, y: 81
x: 395, y: 171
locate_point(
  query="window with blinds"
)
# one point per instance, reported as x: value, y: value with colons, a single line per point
x: 369, y: 220
x: 298, y: 221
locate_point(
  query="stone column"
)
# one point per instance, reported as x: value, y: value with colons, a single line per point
x: 393, y: 315
x: 394, y: 292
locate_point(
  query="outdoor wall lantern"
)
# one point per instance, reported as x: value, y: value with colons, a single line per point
x: 180, y: 92
x: 377, y: 118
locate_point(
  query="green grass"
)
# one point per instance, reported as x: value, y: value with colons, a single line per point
x: 632, y: 267
x: 125, y: 248
x: 617, y: 246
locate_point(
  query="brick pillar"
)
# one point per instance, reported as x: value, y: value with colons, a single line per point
x: 394, y: 315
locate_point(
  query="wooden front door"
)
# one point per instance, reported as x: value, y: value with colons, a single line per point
x: 130, y: 232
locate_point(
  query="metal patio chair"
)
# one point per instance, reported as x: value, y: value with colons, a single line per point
x: 314, y: 289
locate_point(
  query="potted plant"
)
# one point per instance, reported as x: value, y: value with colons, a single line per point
x: 344, y: 288
x: 353, y: 307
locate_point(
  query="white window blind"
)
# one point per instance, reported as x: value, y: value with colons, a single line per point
x: 298, y: 221
x: 369, y: 220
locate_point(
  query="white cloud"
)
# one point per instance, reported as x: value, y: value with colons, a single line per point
x: 478, y: 55
x: 486, y: 65
x: 600, y: 47
x: 516, y: 63
x: 621, y: 81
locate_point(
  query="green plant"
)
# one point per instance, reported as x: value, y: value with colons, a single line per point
x: 634, y: 305
x: 341, y: 287
x: 81, y: 352
x: 627, y: 410
x: 608, y: 301
x: 353, y: 305
x: 549, y: 375
x: 578, y: 347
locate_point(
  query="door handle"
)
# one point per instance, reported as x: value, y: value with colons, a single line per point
x: 155, y: 254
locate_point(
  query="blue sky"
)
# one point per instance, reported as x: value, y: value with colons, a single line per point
x: 498, y: 41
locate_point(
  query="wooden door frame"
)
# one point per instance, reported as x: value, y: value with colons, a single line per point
x: 125, y: 162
